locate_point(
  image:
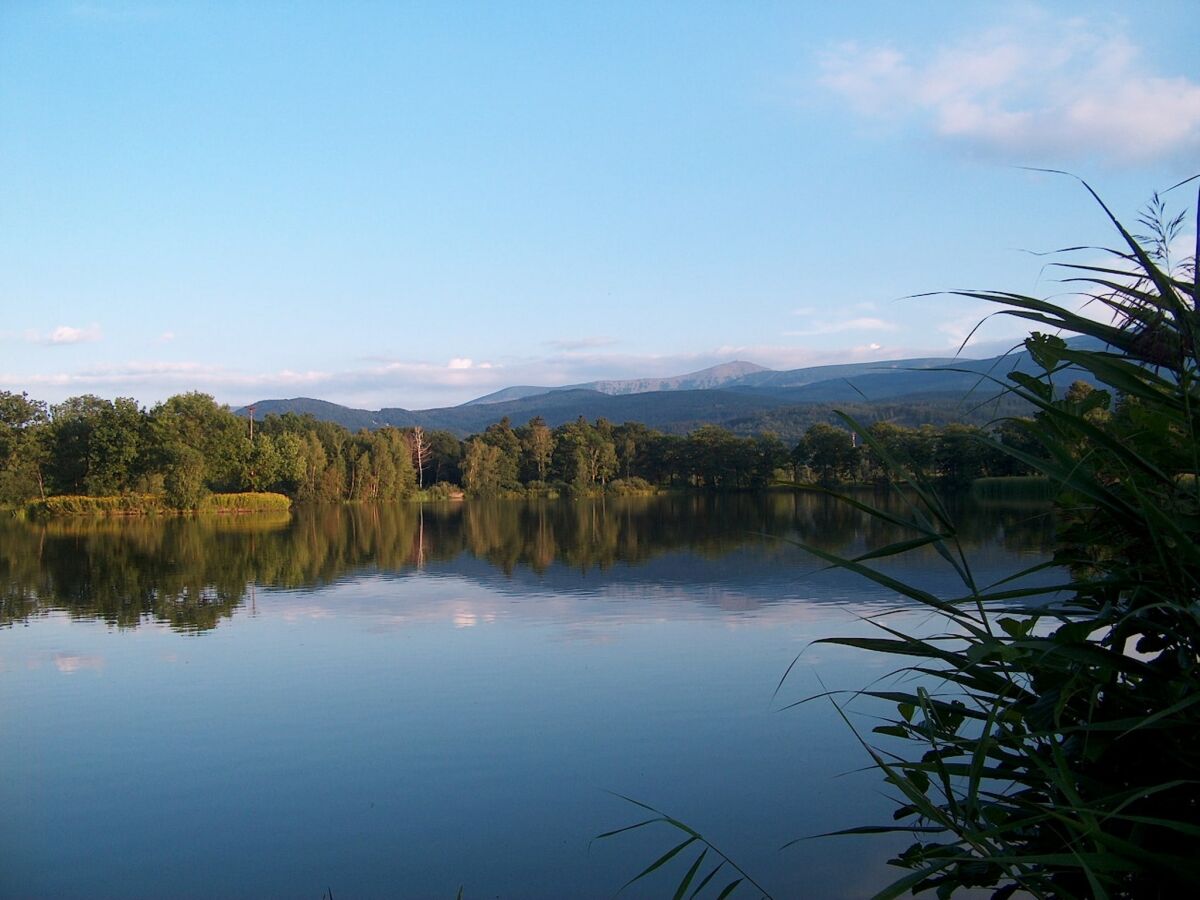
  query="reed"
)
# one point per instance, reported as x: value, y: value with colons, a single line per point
x: 245, y: 502
x: 1046, y: 739
x: 153, y: 504
x: 80, y: 505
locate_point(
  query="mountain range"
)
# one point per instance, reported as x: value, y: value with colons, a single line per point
x: 712, y: 377
x: 741, y: 396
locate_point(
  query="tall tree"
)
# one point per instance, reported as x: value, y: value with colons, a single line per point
x: 629, y: 439
x: 503, y: 438
x: 197, y: 421
x: 482, y: 468
x: 420, y: 453
x: 263, y: 465
x: 445, y: 456
x: 770, y: 455
x: 537, y: 446
x: 22, y: 447
x: 829, y: 451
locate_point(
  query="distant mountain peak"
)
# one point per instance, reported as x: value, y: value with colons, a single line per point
x: 736, y: 367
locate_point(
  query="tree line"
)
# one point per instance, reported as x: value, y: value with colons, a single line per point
x: 189, y: 445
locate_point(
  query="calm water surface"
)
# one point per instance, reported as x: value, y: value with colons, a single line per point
x: 397, y: 701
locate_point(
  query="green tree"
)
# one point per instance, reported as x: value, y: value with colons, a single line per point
x: 185, y: 476
x: 891, y: 439
x: 770, y: 456
x: 585, y: 457
x: 359, y: 471
x: 829, y: 451
x: 293, y: 467
x: 660, y: 459
x: 482, y: 468
x: 961, y: 453
x: 332, y: 484
x: 22, y: 447
x: 445, y: 456
x: 314, y: 461
x: 508, y: 463
x: 197, y: 421
x: 394, y: 470
x: 262, y: 466
x: 69, y: 437
x: 537, y: 445
x: 630, y: 440
x: 717, y: 458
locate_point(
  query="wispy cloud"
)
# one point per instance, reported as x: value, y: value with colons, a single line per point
x: 170, y: 375
x: 66, y: 334
x: 1042, y: 88
x: 590, y: 342
x: 862, y: 323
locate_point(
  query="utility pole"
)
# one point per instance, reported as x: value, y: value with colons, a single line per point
x: 250, y: 409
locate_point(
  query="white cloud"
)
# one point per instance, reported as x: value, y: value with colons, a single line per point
x: 1041, y: 89
x: 66, y: 334
x: 166, y: 337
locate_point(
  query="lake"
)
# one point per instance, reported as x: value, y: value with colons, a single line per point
x: 398, y: 701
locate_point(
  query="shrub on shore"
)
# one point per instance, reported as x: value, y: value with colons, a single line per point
x: 627, y: 487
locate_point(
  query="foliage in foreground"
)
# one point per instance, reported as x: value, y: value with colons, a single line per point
x: 1059, y: 730
x: 1047, y: 739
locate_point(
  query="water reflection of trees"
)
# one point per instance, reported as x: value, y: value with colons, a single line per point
x: 191, y: 573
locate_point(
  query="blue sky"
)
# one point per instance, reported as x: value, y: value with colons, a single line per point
x: 414, y: 204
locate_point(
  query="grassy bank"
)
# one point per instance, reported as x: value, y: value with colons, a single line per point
x: 153, y: 505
